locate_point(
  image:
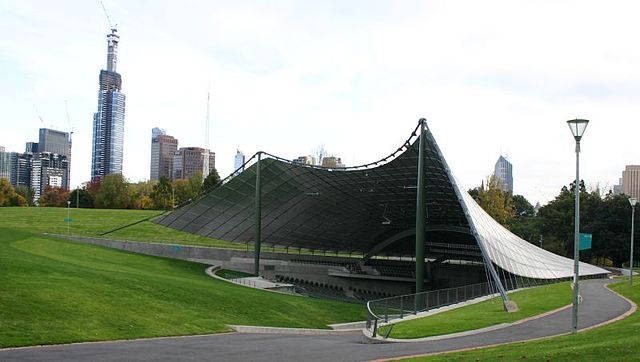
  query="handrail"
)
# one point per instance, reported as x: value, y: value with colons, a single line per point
x: 388, y: 310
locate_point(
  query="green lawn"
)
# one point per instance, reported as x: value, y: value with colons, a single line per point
x: 57, y: 291
x: 619, y: 341
x: 530, y: 302
x: 93, y: 222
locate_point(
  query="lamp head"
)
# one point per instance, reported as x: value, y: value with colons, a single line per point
x: 633, y: 201
x: 577, y: 127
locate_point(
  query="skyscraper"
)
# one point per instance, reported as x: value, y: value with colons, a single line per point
x: 305, y: 160
x: 163, y: 147
x: 189, y: 160
x: 238, y: 162
x: 57, y: 142
x: 5, y: 164
x: 108, y: 121
x: 631, y: 181
x: 332, y: 162
x: 504, y: 173
x: 48, y: 169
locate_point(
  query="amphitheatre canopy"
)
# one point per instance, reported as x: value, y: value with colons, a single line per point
x: 369, y: 209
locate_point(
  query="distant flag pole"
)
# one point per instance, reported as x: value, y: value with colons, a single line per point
x: 205, y: 165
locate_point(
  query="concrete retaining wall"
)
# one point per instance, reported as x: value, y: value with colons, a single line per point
x: 282, y: 265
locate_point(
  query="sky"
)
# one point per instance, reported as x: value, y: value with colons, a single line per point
x: 285, y: 77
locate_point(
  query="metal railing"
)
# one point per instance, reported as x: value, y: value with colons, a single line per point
x: 243, y: 281
x: 385, y: 309
x: 393, y: 308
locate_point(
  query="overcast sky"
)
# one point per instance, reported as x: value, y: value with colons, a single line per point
x: 491, y: 77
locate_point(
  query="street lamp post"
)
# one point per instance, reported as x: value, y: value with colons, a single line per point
x: 68, y: 215
x: 577, y: 127
x: 632, y: 201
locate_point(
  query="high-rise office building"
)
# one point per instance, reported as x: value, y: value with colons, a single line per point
x: 57, y: 142
x: 5, y: 164
x: 31, y: 147
x: 631, y: 181
x: 189, y: 160
x: 108, y: 121
x: 21, y: 169
x: 238, y: 162
x: 305, y: 160
x: 163, y: 148
x: 504, y: 173
x: 332, y: 162
x: 617, y: 189
x: 48, y: 169
x: 54, y: 141
x: 44, y: 163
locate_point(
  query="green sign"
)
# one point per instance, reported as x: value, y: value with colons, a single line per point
x: 585, y: 241
x: 68, y: 219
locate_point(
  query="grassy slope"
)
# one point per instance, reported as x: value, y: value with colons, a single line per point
x: 93, y: 222
x: 56, y: 291
x: 619, y: 341
x: 530, y: 302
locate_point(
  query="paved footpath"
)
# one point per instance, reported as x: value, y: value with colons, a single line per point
x: 600, y: 305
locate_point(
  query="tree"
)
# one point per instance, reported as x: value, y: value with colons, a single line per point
x: 140, y: 194
x: 162, y: 194
x: 8, y: 196
x: 6, y: 192
x: 524, y: 224
x: 556, y: 220
x: 609, y: 220
x: 28, y: 193
x: 81, y: 198
x: 184, y: 192
x: 113, y: 193
x: 195, y: 183
x: 211, y: 180
x: 53, y: 197
x: 495, y: 202
x: 93, y: 187
x: 522, y: 207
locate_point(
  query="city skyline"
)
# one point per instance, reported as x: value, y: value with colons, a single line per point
x: 349, y: 76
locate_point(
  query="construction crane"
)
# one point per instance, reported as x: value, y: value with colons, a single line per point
x: 106, y: 13
x: 38, y: 114
x: 69, y: 124
x: 40, y: 117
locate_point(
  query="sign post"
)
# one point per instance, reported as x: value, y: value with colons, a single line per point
x: 585, y: 241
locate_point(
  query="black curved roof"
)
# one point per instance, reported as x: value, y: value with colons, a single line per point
x: 368, y: 209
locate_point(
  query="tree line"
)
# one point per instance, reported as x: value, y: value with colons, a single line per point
x: 114, y: 192
x: 607, y: 218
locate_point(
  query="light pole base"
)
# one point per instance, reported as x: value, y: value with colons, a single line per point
x: 510, y: 306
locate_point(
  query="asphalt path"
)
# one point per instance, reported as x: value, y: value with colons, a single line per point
x: 599, y: 305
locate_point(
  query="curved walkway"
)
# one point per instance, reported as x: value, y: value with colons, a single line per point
x: 600, y: 305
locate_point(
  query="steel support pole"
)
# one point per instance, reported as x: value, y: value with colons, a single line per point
x: 576, y: 246
x: 69, y: 217
x: 633, y: 209
x: 258, y: 218
x: 420, y: 212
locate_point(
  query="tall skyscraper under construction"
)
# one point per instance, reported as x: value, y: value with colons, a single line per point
x: 108, y: 121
